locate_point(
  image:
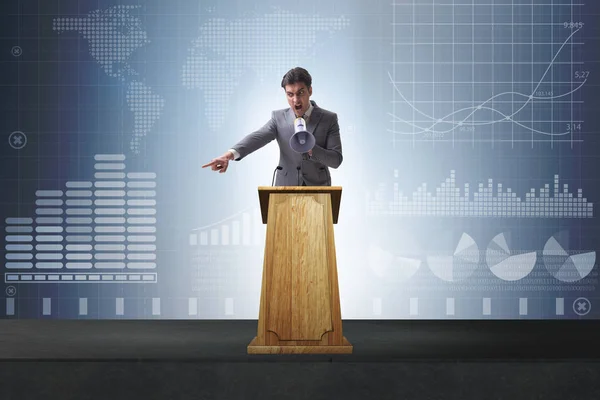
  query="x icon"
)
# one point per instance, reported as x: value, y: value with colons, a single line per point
x: 582, y: 306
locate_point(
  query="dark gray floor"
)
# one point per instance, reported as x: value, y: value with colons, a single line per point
x: 444, y: 380
x: 158, y: 359
x: 226, y: 340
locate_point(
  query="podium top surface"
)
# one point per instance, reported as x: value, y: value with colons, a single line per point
x: 265, y: 191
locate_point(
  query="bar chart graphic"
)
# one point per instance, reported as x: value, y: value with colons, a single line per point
x: 242, y: 229
x: 226, y: 259
x: 448, y: 201
x: 99, y: 230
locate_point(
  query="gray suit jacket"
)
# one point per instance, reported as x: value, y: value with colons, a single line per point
x: 314, y: 170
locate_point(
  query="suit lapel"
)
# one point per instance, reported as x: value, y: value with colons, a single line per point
x: 290, y: 117
x: 314, y: 119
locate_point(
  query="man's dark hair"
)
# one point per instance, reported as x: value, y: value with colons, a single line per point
x: 296, y: 75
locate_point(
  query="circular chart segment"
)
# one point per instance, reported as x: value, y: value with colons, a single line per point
x: 564, y: 263
x: 506, y: 263
x: 458, y: 260
x: 396, y: 262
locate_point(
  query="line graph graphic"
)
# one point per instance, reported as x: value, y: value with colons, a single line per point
x: 504, y: 71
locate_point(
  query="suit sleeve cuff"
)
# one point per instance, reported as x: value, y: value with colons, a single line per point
x: 236, y: 155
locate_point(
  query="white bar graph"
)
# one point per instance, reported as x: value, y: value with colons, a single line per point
x: 257, y: 225
x: 377, y: 306
x: 83, y: 306
x: 10, y: 306
x: 450, y: 306
x: 46, y: 306
x: 193, y: 306
x: 487, y: 306
x: 214, y: 237
x: 102, y: 220
x: 235, y: 233
x: 120, y: 306
x: 228, y: 303
x: 523, y: 306
x: 246, y: 229
x: 156, y: 306
x: 560, y: 306
x: 225, y: 235
x: 414, y: 306
x: 242, y: 229
x: 229, y: 306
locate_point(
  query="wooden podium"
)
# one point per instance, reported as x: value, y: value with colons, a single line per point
x: 299, y: 301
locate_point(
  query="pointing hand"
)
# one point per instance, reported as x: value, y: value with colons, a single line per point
x: 220, y: 163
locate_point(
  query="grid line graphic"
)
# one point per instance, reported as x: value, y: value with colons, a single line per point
x: 495, y: 72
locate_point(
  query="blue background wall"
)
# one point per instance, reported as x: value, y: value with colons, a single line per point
x: 469, y: 133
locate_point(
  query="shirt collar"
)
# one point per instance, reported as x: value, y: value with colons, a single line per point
x: 309, y: 111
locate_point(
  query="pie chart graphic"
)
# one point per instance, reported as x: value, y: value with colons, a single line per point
x: 458, y: 262
x: 397, y: 262
x: 565, y: 264
x: 507, y: 264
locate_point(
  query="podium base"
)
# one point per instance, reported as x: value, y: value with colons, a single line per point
x: 346, y: 348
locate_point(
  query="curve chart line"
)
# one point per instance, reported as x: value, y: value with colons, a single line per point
x: 505, y: 116
x: 459, y: 124
x: 481, y: 106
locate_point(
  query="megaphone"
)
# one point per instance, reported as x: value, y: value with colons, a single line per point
x: 302, y: 141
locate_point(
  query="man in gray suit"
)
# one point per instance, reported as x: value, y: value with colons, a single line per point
x: 306, y: 169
